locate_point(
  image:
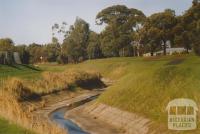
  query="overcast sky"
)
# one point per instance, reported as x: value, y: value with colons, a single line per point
x: 28, y: 21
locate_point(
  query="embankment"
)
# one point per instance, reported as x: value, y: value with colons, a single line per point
x: 19, y: 99
x: 130, y: 123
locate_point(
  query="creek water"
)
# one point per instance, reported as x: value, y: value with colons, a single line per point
x: 57, y: 116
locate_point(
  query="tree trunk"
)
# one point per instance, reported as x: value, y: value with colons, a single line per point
x: 164, y: 48
x: 138, y: 52
x: 187, y: 50
x: 134, y: 51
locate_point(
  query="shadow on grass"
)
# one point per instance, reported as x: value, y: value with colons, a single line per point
x: 17, y: 66
x: 91, y: 84
x: 14, y: 66
x: 176, y: 61
x: 31, y: 67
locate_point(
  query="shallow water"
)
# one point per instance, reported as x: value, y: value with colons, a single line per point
x: 58, y: 117
x: 72, y: 128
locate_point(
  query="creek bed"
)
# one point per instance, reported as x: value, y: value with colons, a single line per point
x: 57, y: 116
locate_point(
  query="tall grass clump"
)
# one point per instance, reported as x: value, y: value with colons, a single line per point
x: 56, y: 81
x: 13, y: 109
x: 17, y: 97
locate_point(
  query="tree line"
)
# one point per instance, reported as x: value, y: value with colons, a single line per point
x: 127, y: 32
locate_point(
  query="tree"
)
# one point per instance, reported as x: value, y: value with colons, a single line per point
x: 53, y: 50
x: 37, y: 53
x: 75, y: 44
x: 93, y: 48
x: 163, y: 22
x: 6, y: 44
x: 6, y: 50
x: 191, y: 24
x: 150, y: 37
x: 120, y: 23
x: 59, y: 29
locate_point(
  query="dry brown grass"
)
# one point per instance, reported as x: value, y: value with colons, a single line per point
x: 12, y: 108
x: 17, y: 96
x: 55, y: 81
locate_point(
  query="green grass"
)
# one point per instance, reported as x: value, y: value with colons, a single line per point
x: 146, y: 85
x: 28, y: 71
x: 52, y: 67
x: 9, y: 128
x: 22, y: 71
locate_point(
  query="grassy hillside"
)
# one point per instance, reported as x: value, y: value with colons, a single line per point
x: 146, y: 85
x: 142, y: 85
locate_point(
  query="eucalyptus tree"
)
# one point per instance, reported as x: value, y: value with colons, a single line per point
x: 150, y: 38
x: 120, y: 22
x: 6, y: 51
x: 182, y: 37
x: 6, y: 44
x: 93, y: 48
x: 191, y: 24
x: 163, y: 23
x: 76, y: 42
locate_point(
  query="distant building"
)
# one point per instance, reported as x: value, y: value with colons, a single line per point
x: 169, y: 51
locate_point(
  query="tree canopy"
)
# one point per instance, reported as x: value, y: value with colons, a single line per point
x: 75, y: 44
x: 120, y: 22
x: 127, y: 32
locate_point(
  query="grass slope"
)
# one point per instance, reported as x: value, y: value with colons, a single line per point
x: 143, y: 85
x: 146, y: 85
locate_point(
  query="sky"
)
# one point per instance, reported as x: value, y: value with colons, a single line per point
x: 28, y: 21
